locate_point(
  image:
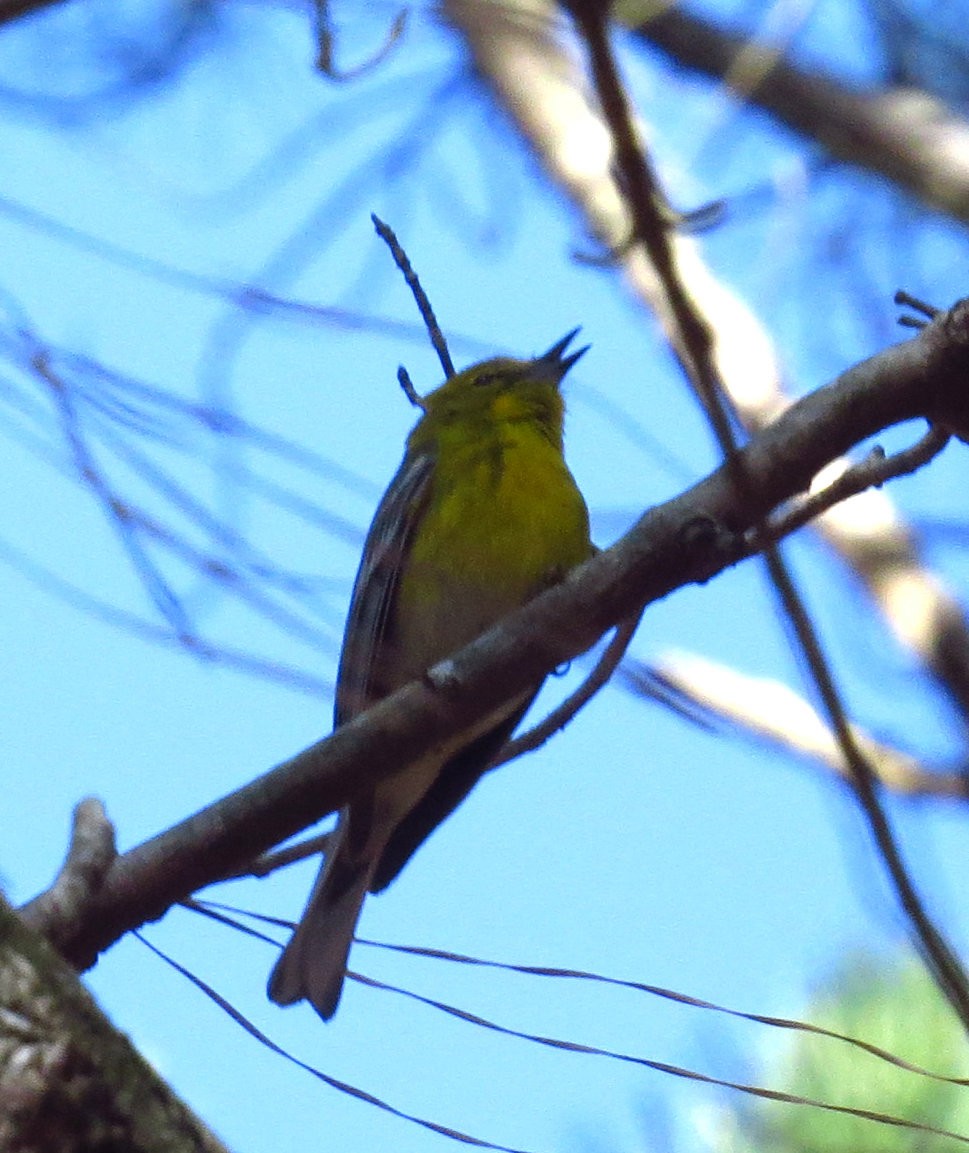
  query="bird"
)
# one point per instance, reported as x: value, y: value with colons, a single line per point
x: 482, y: 515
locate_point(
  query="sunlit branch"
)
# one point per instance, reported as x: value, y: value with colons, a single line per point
x: 771, y: 712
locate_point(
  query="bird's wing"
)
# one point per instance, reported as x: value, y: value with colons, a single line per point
x: 456, y: 779
x: 371, y: 606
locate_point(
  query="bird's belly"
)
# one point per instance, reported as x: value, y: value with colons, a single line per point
x: 397, y: 795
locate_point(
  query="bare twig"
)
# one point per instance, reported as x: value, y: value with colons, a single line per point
x: 752, y: 1090
x: 407, y: 386
x: 325, y: 40
x: 387, y: 235
x: 332, y: 1082
x: 927, y: 311
x: 268, y: 863
x: 872, y: 472
x: 560, y: 716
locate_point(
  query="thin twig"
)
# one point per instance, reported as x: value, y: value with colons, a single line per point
x: 872, y: 472
x: 268, y: 863
x: 325, y: 39
x: 560, y: 716
x: 341, y: 1086
x: 407, y: 385
x: 928, y: 311
x: 387, y: 235
x: 758, y: 1091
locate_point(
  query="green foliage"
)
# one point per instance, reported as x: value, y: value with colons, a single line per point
x: 896, y: 1007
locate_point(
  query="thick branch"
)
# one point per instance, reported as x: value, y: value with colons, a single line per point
x: 14, y: 9
x: 68, y: 1080
x: 902, y: 133
x: 688, y: 539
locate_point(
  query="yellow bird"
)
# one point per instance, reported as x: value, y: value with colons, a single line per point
x: 482, y: 515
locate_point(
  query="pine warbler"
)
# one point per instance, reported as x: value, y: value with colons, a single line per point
x: 482, y: 515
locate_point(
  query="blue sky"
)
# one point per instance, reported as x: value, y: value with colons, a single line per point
x: 633, y: 844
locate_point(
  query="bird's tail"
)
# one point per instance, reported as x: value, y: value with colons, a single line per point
x: 314, y: 963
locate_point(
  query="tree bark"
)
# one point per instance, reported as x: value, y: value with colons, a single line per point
x: 69, y: 1081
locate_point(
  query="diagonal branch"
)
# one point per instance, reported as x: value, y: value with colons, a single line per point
x: 904, y: 134
x: 691, y: 339
x: 772, y: 713
x: 688, y: 539
x: 11, y: 10
x: 68, y: 1079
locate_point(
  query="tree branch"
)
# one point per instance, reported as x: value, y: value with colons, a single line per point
x: 768, y: 711
x: 688, y: 539
x: 903, y: 133
x: 68, y: 1079
x: 692, y: 340
x: 65, y: 905
x: 11, y: 10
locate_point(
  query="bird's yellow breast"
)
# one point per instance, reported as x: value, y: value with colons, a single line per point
x: 504, y: 520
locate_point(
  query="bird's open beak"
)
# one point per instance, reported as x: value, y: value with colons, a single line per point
x: 553, y: 365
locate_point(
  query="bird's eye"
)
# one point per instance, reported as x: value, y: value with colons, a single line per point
x: 491, y: 377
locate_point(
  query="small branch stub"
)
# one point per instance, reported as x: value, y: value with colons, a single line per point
x: 59, y: 913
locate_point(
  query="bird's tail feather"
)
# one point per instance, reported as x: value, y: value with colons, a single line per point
x: 314, y: 963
